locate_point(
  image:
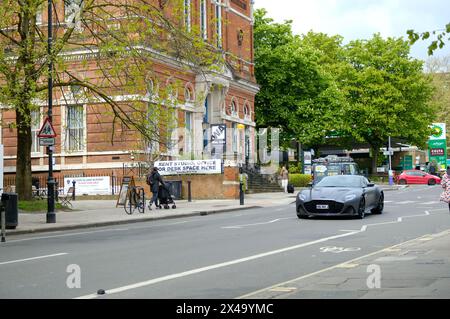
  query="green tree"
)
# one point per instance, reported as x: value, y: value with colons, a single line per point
x: 440, y: 37
x: 297, y: 93
x: 121, y: 40
x: 387, y: 94
x: 438, y: 69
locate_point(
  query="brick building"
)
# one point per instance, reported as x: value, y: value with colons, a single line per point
x: 83, y: 145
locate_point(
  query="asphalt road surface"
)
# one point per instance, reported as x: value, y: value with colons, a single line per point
x: 222, y: 256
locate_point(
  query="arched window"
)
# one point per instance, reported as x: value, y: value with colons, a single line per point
x: 188, y: 93
x: 233, y: 108
x: 247, y: 114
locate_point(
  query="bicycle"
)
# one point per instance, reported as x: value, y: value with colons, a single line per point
x: 135, y: 200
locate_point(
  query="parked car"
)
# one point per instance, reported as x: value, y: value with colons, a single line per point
x: 333, y: 165
x: 417, y: 177
x: 341, y: 195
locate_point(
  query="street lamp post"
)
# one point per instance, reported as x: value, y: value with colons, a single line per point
x: 51, y: 217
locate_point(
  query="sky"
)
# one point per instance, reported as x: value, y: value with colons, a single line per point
x: 360, y: 19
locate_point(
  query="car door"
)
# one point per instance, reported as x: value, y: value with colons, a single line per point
x: 422, y: 178
x: 370, y: 194
x: 412, y: 178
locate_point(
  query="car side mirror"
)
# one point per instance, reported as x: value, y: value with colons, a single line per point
x: 371, y: 185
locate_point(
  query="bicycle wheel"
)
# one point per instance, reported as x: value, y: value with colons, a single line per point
x: 141, y: 203
x: 130, y: 204
x: 127, y: 207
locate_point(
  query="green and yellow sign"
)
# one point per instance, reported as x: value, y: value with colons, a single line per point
x: 437, y: 145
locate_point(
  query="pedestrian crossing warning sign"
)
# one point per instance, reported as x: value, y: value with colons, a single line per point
x: 47, y: 129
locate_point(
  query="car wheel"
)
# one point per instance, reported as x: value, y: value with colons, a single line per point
x: 301, y: 216
x: 380, y: 206
x: 431, y: 181
x: 402, y: 182
x: 362, y: 209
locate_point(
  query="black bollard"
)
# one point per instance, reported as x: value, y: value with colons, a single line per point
x: 73, y: 193
x: 189, y: 192
x: 2, y: 222
x: 241, y: 193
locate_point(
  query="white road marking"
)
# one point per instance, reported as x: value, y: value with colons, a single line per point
x: 95, y: 231
x: 347, y: 264
x: 32, y: 258
x: 338, y: 250
x: 212, y: 267
x: 67, y: 235
x: 429, y: 203
x: 406, y: 202
x: 257, y: 224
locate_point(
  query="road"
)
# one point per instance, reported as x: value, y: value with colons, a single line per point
x: 222, y: 256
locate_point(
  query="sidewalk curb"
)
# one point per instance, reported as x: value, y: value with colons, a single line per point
x: 124, y: 222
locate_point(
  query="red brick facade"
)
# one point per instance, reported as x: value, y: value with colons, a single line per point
x: 236, y: 86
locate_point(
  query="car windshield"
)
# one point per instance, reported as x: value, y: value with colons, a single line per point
x: 341, y: 181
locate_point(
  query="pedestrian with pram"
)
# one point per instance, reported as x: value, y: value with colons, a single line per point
x: 154, y: 179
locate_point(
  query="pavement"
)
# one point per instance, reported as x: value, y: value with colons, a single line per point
x: 97, y: 213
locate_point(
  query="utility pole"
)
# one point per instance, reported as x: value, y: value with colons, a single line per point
x: 51, y: 217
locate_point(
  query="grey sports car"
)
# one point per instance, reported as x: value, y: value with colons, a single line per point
x: 341, y: 195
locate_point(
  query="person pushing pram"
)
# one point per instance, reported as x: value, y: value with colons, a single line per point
x: 161, y: 193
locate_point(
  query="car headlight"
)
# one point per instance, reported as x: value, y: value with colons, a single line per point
x: 350, y: 197
x: 302, y: 196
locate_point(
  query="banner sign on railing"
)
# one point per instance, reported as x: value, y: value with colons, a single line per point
x: 200, y: 167
x: 95, y: 185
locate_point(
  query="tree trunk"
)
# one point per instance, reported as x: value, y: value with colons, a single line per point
x: 23, y: 165
x: 375, y: 151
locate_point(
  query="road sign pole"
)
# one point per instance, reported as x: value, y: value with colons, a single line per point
x: 51, y: 217
x: 391, y: 177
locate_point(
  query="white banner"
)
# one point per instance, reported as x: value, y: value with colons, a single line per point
x: 96, y: 185
x: 213, y: 166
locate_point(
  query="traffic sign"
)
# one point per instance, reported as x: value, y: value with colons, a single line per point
x: 46, y: 141
x: 387, y: 153
x: 47, y: 129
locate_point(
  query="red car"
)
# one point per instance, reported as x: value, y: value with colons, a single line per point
x: 417, y: 177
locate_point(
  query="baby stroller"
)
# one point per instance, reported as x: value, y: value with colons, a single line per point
x: 165, y: 198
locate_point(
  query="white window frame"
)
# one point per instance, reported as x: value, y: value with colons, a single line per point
x: 39, y: 15
x: 152, y: 146
x: 35, y: 128
x: 234, y: 108
x: 188, y: 147
x: 72, y: 10
x: 203, y: 19
x: 67, y: 135
x: 218, y: 13
x: 235, y: 145
x: 247, y: 112
x: 187, y: 15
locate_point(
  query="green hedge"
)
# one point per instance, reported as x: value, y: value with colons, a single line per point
x: 299, y: 180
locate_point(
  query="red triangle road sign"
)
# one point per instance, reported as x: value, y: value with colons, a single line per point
x: 47, y: 129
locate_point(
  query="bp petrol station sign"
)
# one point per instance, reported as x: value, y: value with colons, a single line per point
x: 437, y: 145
